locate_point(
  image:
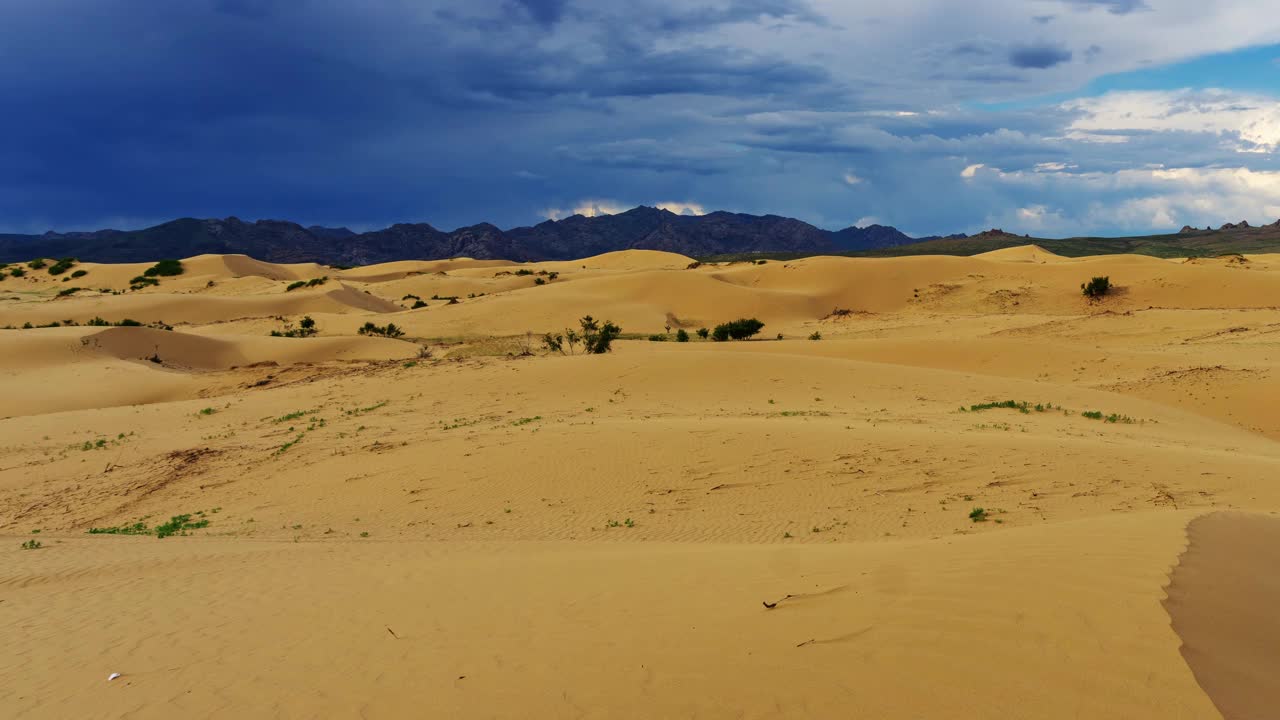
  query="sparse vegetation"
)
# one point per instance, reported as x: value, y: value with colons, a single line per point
x: 816, y: 335
x: 306, y: 328
x: 978, y: 515
x: 68, y: 291
x: 165, y: 268
x: 79, y: 273
x: 1096, y: 287
x: 32, y: 545
x: 682, y: 335
x: 389, y: 330
x: 703, y: 333
x: 739, y: 329
x: 313, y: 282
x: 36, y: 264
x: 596, y: 338
x: 657, y: 337
x: 62, y: 266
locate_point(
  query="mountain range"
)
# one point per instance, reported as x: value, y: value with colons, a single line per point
x: 572, y: 237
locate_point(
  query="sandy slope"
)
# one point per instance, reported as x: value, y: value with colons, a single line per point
x: 440, y: 524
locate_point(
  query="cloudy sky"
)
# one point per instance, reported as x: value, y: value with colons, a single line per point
x: 1050, y: 117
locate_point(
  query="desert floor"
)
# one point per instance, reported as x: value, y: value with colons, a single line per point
x: 459, y: 523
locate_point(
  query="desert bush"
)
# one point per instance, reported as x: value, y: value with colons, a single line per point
x: 524, y: 271
x: 62, y: 266
x: 79, y: 273
x: 68, y: 291
x: 142, y: 281
x: 389, y: 330
x: 816, y: 335
x: 1096, y: 287
x: 306, y: 328
x: 596, y: 338
x: 36, y: 264
x: 703, y: 333
x: 418, y: 304
x: 313, y: 282
x: 165, y: 268
x: 657, y: 337
x: 539, y: 281
x: 682, y: 336
x: 739, y: 329
x: 17, y: 272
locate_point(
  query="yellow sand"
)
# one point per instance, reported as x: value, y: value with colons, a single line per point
x: 442, y: 525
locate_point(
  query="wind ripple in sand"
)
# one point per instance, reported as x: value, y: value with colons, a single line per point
x: 1222, y: 599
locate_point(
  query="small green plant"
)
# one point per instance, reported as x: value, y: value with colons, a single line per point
x: 978, y: 515
x: 179, y: 524
x: 1096, y: 287
x: 68, y: 291
x: 138, y: 528
x: 17, y: 272
x: 364, y: 534
x: 79, y: 273
x: 657, y: 337
x: 32, y: 545
x: 703, y: 333
x: 142, y: 281
x: 207, y: 411
x: 629, y: 523
x: 682, y: 335
x: 36, y: 264
x: 816, y: 335
x: 613, y: 524
x: 539, y: 281
x: 527, y: 420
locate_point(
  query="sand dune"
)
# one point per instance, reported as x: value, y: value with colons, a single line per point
x: 462, y: 521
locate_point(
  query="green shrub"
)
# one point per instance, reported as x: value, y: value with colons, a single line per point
x: 389, y: 330
x: 68, y: 291
x: 739, y: 329
x: 306, y: 328
x: 598, y: 338
x: 657, y: 337
x: 17, y: 272
x: 978, y: 515
x: 313, y: 282
x: 36, y: 264
x: 165, y: 268
x: 1097, y: 287
x: 142, y: 281
x: 418, y: 304
x: 79, y: 273
x: 32, y: 545
x: 816, y: 335
x: 703, y: 333
x: 62, y: 266
x: 682, y: 336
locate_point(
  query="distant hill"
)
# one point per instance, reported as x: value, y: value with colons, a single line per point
x: 573, y: 237
x: 1232, y: 238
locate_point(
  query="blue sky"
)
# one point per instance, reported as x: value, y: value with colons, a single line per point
x: 1050, y: 117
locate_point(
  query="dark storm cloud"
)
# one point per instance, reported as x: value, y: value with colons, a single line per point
x: 1038, y: 57
x: 458, y: 111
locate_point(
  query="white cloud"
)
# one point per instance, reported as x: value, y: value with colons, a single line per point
x: 682, y: 208
x: 1251, y: 123
x: 589, y: 208
x: 866, y: 221
x: 971, y: 171
x: 851, y: 179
